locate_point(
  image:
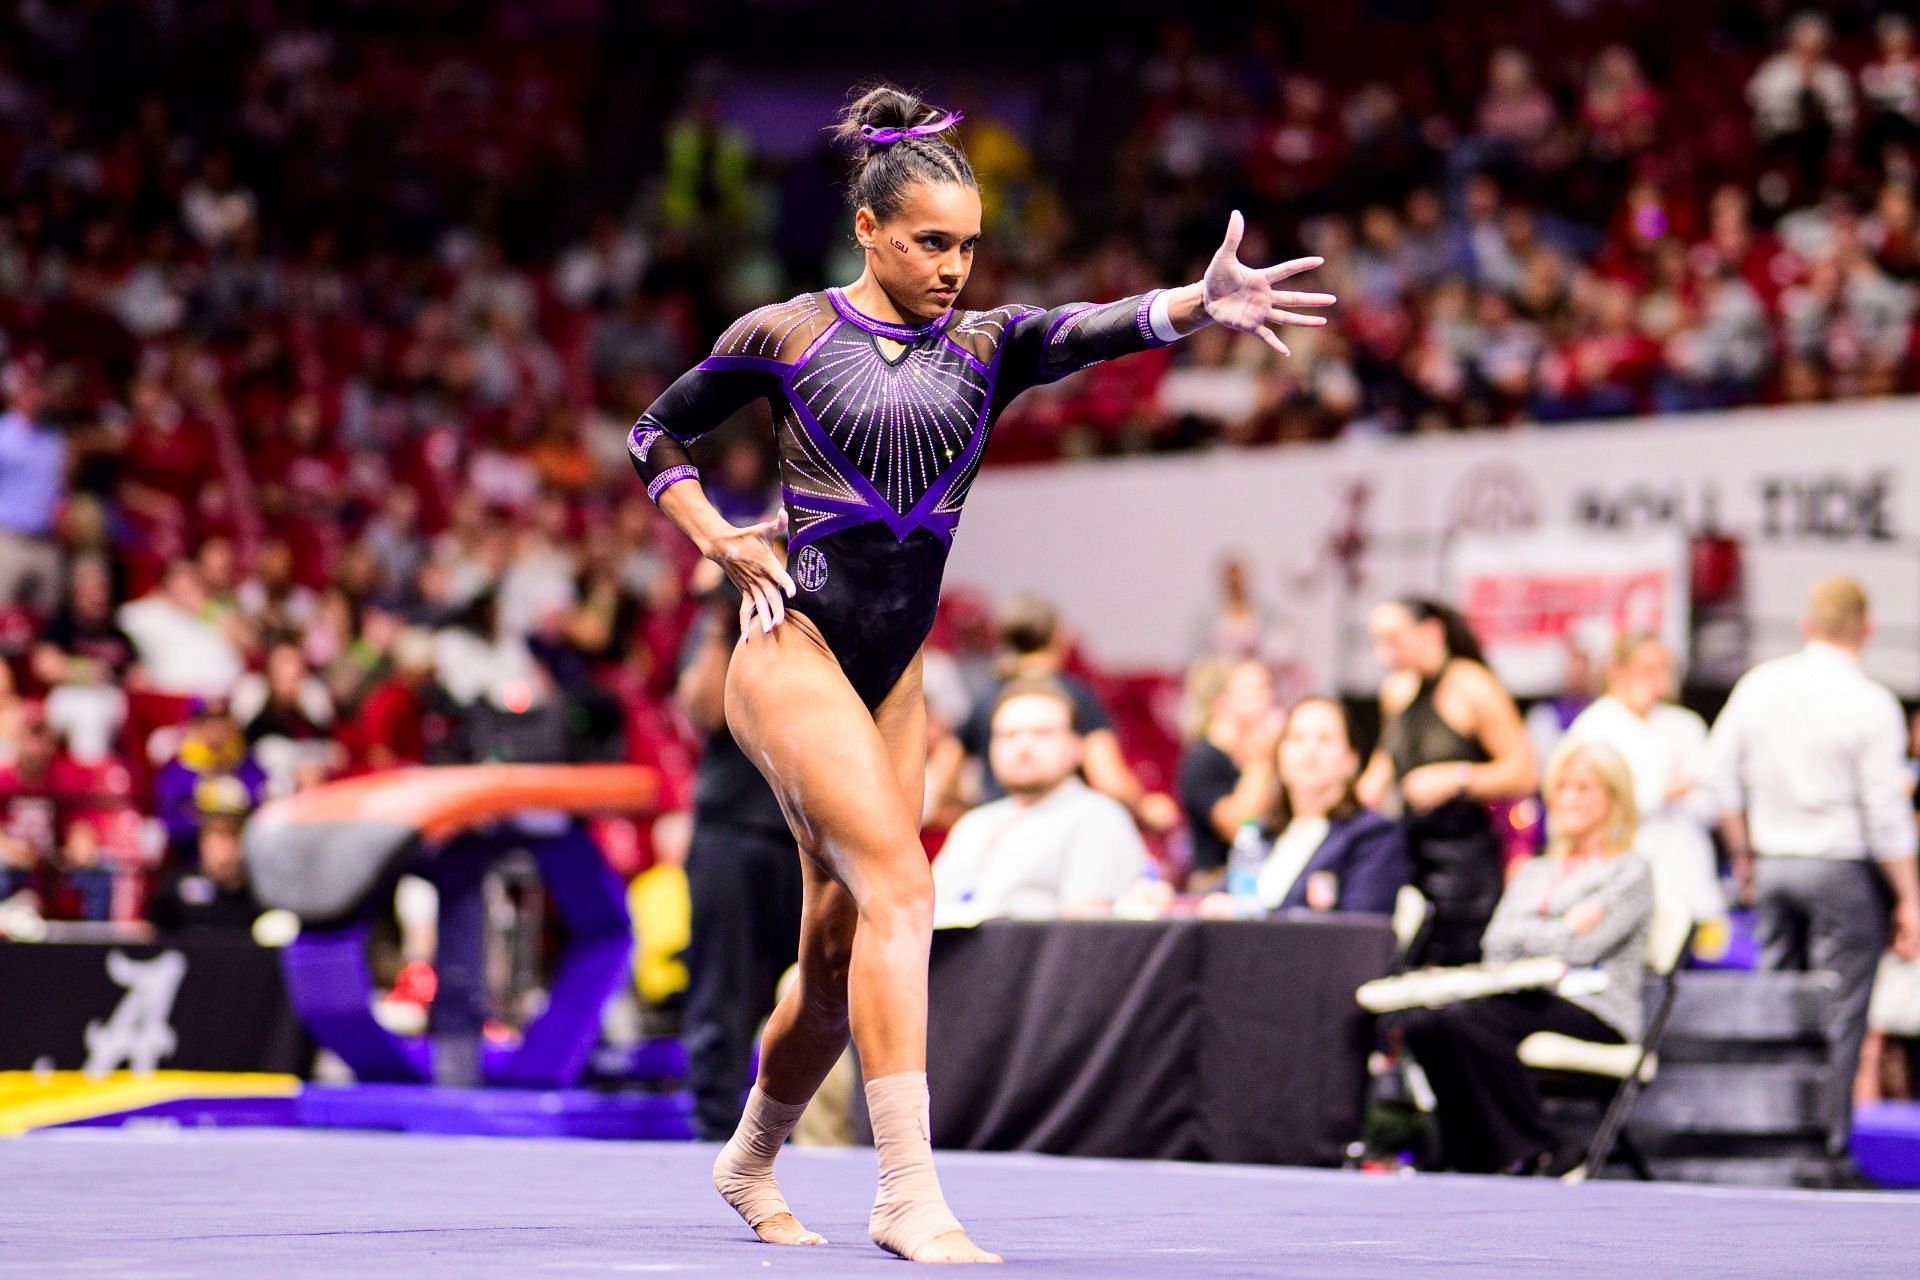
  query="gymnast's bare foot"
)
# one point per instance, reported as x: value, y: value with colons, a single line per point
x: 747, y: 1184
x: 952, y: 1246
x: 784, y: 1228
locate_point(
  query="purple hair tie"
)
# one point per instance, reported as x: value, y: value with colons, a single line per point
x: 887, y: 137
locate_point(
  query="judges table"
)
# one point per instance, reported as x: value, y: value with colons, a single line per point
x: 1177, y: 1039
x: 195, y: 1004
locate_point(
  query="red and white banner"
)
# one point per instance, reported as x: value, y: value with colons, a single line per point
x: 1530, y: 596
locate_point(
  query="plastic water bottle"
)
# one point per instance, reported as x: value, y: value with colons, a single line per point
x: 1243, y: 869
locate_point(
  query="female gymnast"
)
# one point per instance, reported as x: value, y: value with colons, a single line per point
x: 883, y: 397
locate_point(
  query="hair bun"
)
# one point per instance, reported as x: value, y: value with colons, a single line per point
x: 876, y: 118
x: 877, y: 107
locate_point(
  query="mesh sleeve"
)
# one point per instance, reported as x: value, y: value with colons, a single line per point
x: 1041, y: 346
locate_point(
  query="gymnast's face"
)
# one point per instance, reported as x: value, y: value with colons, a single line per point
x: 923, y: 254
x: 1034, y: 748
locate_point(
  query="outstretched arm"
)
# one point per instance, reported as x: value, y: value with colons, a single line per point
x: 1044, y: 345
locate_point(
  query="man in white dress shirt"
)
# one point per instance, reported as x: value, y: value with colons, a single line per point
x: 1052, y: 846
x: 1665, y: 746
x: 1809, y: 759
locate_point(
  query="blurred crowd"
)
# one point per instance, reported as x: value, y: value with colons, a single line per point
x: 1598, y: 225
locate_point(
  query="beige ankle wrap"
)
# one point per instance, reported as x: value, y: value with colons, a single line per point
x: 908, y: 1210
x: 743, y: 1173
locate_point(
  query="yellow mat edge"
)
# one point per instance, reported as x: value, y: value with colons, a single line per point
x: 36, y: 1100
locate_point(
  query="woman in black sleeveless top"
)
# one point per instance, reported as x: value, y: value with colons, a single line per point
x: 1451, y: 742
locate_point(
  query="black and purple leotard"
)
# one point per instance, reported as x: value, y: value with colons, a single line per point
x: 877, y: 454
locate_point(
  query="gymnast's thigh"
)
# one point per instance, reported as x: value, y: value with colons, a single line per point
x: 901, y: 719
x: 836, y: 777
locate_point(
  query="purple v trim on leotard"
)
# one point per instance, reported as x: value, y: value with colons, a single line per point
x: 883, y: 328
x: 968, y: 356
x: 876, y: 508
x: 871, y: 504
x: 844, y: 514
x: 760, y: 363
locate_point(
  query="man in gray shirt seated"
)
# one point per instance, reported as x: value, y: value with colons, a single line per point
x: 1052, y: 846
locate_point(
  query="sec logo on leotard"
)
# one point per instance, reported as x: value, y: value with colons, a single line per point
x: 811, y: 568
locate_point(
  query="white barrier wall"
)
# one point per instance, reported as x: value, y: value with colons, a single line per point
x: 1130, y: 547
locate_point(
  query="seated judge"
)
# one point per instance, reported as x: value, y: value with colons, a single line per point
x: 1052, y: 846
x: 1329, y: 853
x: 1588, y: 900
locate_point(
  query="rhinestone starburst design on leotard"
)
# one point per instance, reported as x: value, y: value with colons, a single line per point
x: 902, y: 424
x: 764, y: 332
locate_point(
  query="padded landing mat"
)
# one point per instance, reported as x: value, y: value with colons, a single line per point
x: 287, y: 1203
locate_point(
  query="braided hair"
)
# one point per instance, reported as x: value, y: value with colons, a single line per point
x: 882, y: 172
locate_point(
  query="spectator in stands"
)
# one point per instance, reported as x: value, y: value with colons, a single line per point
x: 277, y: 604
x: 286, y: 701
x: 1587, y: 902
x: 82, y: 644
x: 47, y: 846
x: 1328, y: 852
x: 1721, y: 348
x: 214, y: 207
x: 1227, y: 772
x: 219, y: 564
x: 707, y: 163
x: 212, y: 896
x: 19, y: 870
x: 1802, y: 103
x: 475, y: 660
x: 168, y: 457
x: 1549, y: 719
x: 538, y: 581
x: 1033, y: 648
x: 1052, y: 846
x: 394, y: 537
x: 1620, y: 113
x: 1665, y: 747
x: 211, y: 749
x: 1518, y: 121
x: 15, y: 711
x: 1217, y: 390
x: 365, y: 660
x: 179, y: 649
x: 33, y: 479
x: 1890, y: 98
x: 288, y: 718
x: 396, y: 718
x: 1451, y: 743
x: 1237, y: 627
x: 1809, y: 760
x: 83, y: 658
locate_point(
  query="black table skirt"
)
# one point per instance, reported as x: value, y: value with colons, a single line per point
x: 1185, y: 1040
x: 219, y: 1006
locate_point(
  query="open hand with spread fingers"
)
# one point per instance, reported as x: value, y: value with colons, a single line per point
x: 1245, y: 298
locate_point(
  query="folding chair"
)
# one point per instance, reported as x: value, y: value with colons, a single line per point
x: 1411, y: 916
x: 1633, y: 1066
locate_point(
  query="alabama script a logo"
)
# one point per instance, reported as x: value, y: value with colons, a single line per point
x: 139, y: 1032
